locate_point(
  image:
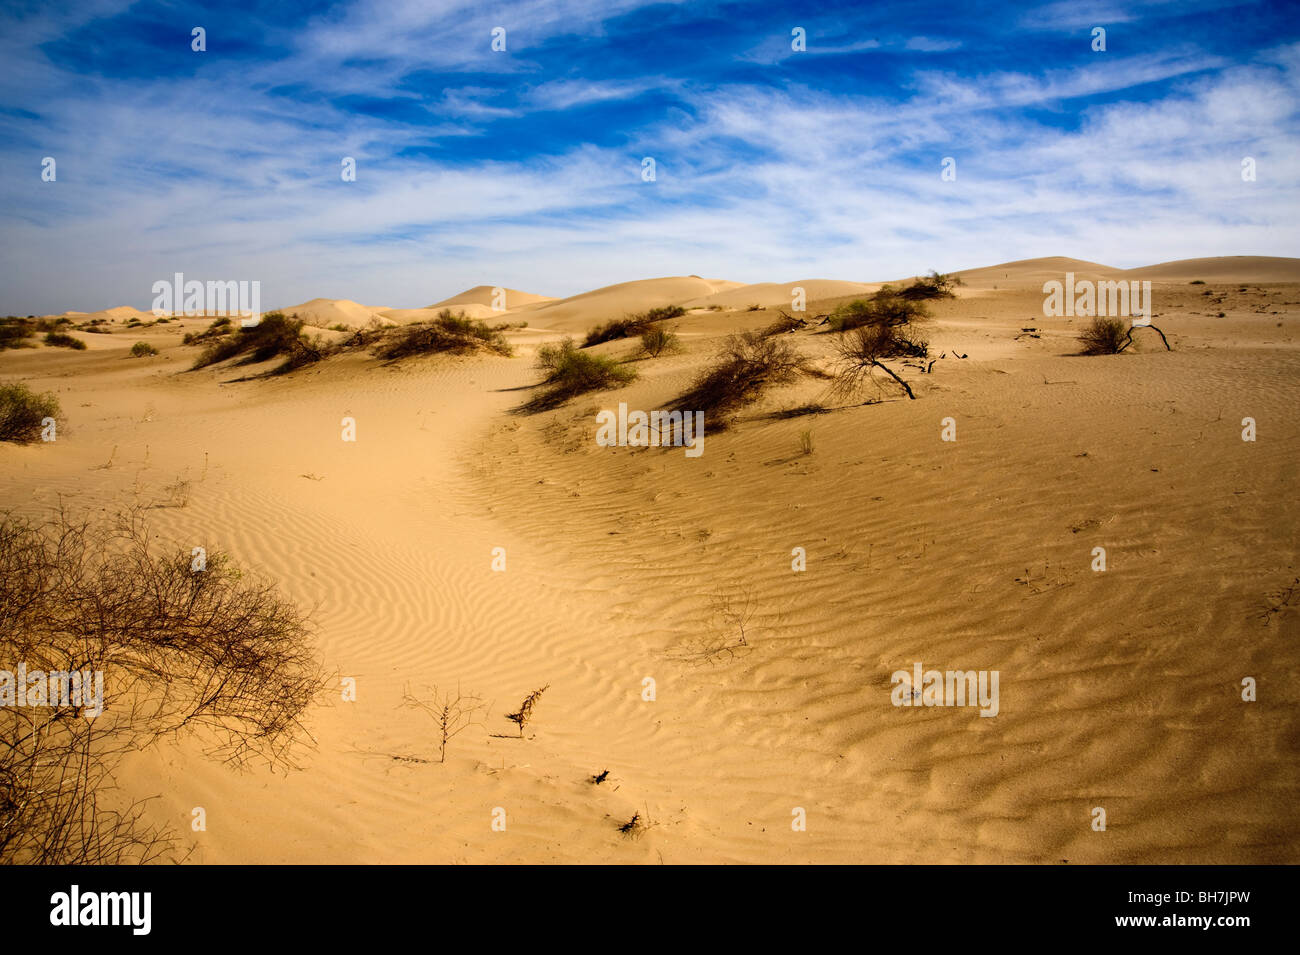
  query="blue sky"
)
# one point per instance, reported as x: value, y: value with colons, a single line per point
x: 523, y: 168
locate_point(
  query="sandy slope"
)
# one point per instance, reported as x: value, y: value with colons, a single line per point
x: 579, y: 312
x: 484, y: 295
x: 1236, y: 268
x: 327, y: 312
x: 1118, y: 689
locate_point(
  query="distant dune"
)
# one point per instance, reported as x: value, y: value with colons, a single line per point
x: 1034, y: 272
x: 483, y: 295
x: 581, y: 311
x: 768, y: 294
x: 1223, y: 268
x: 325, y: 312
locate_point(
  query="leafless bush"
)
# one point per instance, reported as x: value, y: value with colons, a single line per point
x: 748, y: 364
x: 1104, y: 336
x: 183, y: 646
x: 452, y: 713
x: 784, y: 325
x: 864, y: 349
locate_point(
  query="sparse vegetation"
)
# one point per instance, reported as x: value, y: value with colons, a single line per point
x: 934, y: 285
x: 785, y: 324
x: 524, y: 715
x: 657, y: 340
x: 206, y: 651
x: 271, y: 336
x: 806, y: 441
x: 452, y: 713
x: 570, y: 371
x: 15, y: 332
x: 176, y: 494
x: 747, y: 365
x: 276, y: 335
x: 21, y: 413
x: 448, y: 333
x: 64, y: 340
x: 864, y: 349
x: 887, y: 307
x: 634, y: 826
x: 631, y: 325
x: 142, y: 350
x: 1104, y: 336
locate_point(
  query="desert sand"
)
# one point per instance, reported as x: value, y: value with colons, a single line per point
x: 1119, y: 689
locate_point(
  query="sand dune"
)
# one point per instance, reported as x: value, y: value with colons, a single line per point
x: 579, y: 312
x: 325, y: 312
x: 1118, y: 689
x: 404, y: 316
x: 484, y: 295
x: 1033, y: 272
x: 770, y: 294
x: 1232, y: 268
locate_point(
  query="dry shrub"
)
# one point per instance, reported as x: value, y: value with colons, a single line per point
x: 219, y: 328
x: 1104, y: 336
x: 934, y: 285
x: 631, y: 325
x: 524, y: 715
x: 22, y: 411
x: 206, y: 652
x: 863, y: 350
x: 785, y: 324
x: 448, y: 333
x: 748, y: 364
x: 452, y: 713
x: 886, y: 307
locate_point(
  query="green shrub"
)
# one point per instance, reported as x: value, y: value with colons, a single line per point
x: 222, y: 326
x: 22, y: 410
x: 142, y: 350
x: 569, y: 372
x: 62, y: 340
x: 886, y: 307
x: 455, y: 334
x: 14, y: 333
x: 631, y: 325
x: 275, y: 335
x: 934, y: 285
x: 656, y: 340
